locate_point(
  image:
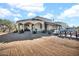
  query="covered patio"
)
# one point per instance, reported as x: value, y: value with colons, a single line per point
x: 35, y: 24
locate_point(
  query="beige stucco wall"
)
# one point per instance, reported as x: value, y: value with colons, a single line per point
x: 36, y: 25
x: 51, y: 27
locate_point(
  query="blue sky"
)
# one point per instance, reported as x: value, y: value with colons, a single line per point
x: 65, y: 12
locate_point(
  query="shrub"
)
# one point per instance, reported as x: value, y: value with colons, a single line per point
x: 44, y: 31
x: 15, y: 31
x: 26, y: 29
x: 21, y: 31
x: 34, y: 32
x: 49, y: 32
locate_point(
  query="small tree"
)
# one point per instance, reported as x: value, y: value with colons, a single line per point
x: 7, y: 23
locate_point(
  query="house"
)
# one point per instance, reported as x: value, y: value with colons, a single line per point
x: 37, y: 23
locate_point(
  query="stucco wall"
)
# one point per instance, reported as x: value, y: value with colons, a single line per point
x: 36, y: 25
x: 51, y: 27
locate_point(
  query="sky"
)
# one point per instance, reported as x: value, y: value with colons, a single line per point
x: 63, y: 12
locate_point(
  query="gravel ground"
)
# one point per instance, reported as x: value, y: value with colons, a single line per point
x: 44, y: 46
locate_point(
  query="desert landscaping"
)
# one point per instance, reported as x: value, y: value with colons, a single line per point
x: 44, y: 46
x: 38, y: 37
x: 39, y: 29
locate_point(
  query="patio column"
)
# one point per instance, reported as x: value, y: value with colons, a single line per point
x: 56, y: 27
x: 45, y: 26
x: 18, y: 26
x: 32, y: 27
x: 59, y: 27
x: 23, y: 27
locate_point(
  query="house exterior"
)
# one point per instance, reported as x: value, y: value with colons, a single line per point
x: 37, y: 23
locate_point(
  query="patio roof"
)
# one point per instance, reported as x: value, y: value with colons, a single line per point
x: 53, y: 23
x: 36, y: 18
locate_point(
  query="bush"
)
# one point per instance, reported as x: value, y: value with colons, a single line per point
x: 21, y: 31
x: 27, y: 29
x: 49, y: 32
x: 15, y: 31
x: 44, y: 31
x: 52, y: 30
x: 34, y: 32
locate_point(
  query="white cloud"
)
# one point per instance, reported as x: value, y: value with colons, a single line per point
x: 16, y: 19
x: 49, y: 16
x: 17, y: 15
x: 70, y: 13
x: 4, y: 12
x: 31, y: 7
x: 31, y: 14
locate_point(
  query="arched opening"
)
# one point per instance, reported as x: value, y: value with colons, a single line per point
x: 28, y: 26
x: 38, y: 26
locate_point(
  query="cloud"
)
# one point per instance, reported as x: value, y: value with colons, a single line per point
x: 16, y: 19
x: 70, y: 13
x: 49, y: 16
x: 14, y: 10
x: 4, y: 12
x: 31, y: 14
x: 31, y: 7
x: 17, y: 15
